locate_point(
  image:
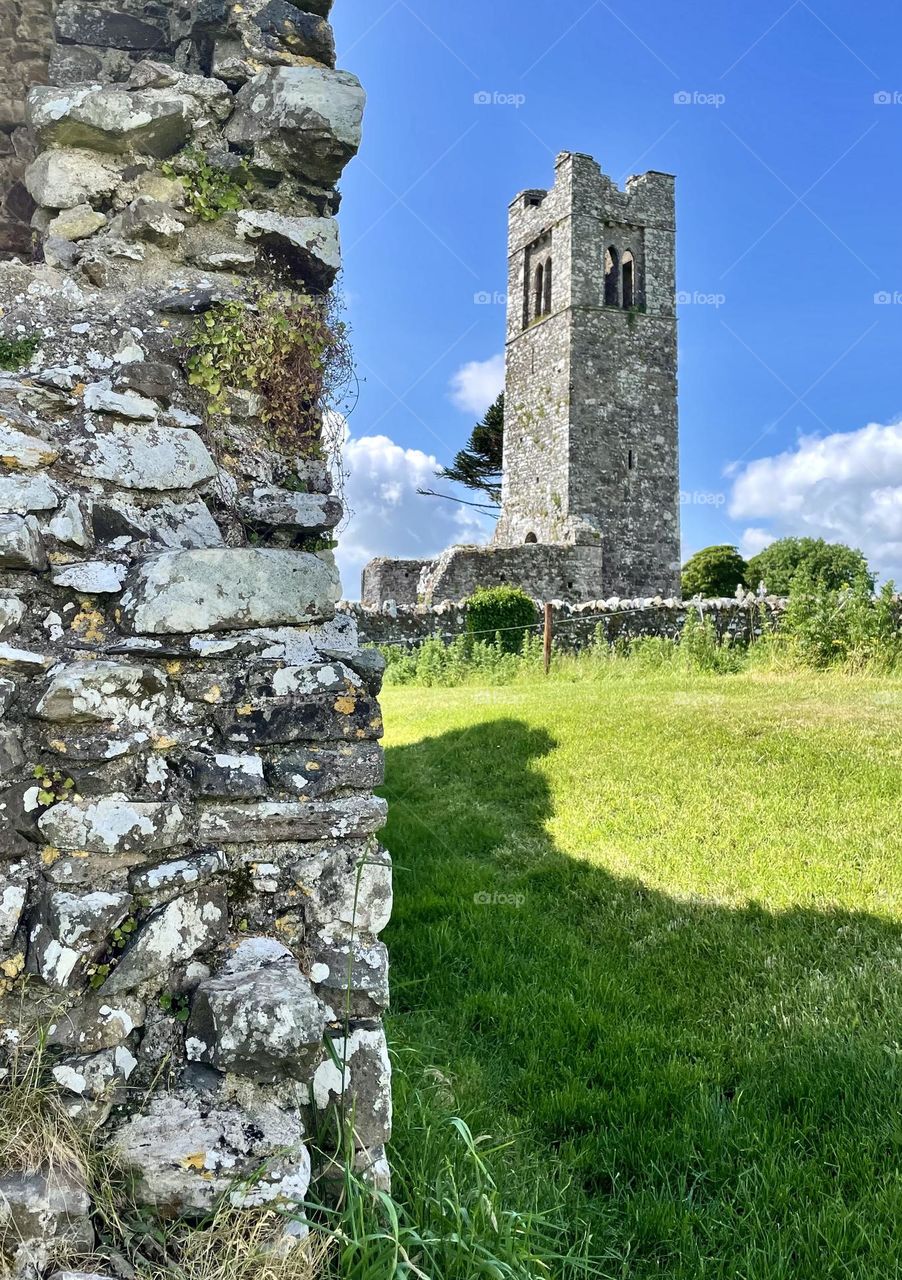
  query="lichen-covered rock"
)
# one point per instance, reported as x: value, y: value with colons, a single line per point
x: 23, y: 494
x: 90, y: 577
x: 155, y: 122
x: 21, y: 545
x: 352, y: 978
x: 70, y: 930
x: 23, y: 449
x: 360, y: 1080
x: 114, y: 824
x: 95, y: 1023
x: 95, y: 1075
x: 185, y: 591
x: 259, y: 1017
x: 43, y: 1215
x: 64, y: 178
x: 307, y: 512
x: 100, y: 397
x: 144, y: 457
x: 311, y: 244
x: 317, y: 770
x: 348, y: 817
x: 13, y: 891
x: 172, y: 935
x: 236, y: 777
x: 186, y: 1157
x: 114, y: 692
x: 300, y: 120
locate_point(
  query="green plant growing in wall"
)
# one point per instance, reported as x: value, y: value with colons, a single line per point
x: 15, y: 353
x: 501, y: 614
x: 290, y: 349
x: 210, y: 191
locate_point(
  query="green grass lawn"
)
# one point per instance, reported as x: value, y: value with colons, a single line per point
x: 681, y: 1002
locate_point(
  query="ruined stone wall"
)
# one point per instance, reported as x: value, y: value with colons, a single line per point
x: 25, y: 44
x: 575, y: 625
x: 547, y: 572
x: 191, y: 888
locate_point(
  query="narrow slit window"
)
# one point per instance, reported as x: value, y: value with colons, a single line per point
x: 547, y: 299
x: 611, y: 277
x: 629, y: 281
x: 539, y: 291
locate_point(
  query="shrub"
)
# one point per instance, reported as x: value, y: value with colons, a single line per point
x: 832, y: 565
x: 502, y: 615
x: 713, y: 571
x: 849, y: 626
x: 210, y: 191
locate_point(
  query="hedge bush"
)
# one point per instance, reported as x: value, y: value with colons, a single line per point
x: 501, y: 615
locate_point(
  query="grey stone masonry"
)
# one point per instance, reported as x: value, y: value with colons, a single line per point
x: 191, y: 883
x: 591, y: 448
x: 591, y: 435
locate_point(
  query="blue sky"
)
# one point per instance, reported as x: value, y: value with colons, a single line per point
x: 789, y: 242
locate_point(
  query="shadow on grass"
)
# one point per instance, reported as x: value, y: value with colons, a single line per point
x: 721, y: 1086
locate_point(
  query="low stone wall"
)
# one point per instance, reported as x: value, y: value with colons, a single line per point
x: 575, y: 625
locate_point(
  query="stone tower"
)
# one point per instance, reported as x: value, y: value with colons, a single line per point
x: 591, y: 434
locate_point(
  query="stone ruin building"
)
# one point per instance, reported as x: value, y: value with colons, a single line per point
x: 590, y: 500
x: 191, y: 888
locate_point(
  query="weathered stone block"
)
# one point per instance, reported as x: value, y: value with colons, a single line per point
x: 65, y: 178
x: 184, y: 591
x: 144, y: 457
x: 311, y: 245
x: 309, y: 512
x: 305, y: 718
x: 43, y: 1215
x: 79, y: 23
x: 69, y: 930
x: 236, y: 777
x: 259, y: 1017
x: 155, y: 122
x: 361, y: 1082
x: 22, y: 449
x: 348, y: 817
x: 100, y: 397
x: 21, y: 546
x: 351, y: 978
x: 90, y: 577
x: 114, y: 824
x: 23, y: 494
x: 102, y: 691
x: 188, y: 1158
x: 96, y: 1023
x: 315, y: 771
x: 300, y: 120
x: 172, y: 935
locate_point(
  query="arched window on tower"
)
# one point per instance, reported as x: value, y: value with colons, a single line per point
x: 539, y: 292
x: 547, y: 300
x: 629, y: 281
x: 531, y: 537
x: 611, y: 277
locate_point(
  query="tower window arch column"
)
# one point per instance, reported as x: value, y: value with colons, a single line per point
x: 611, y: 277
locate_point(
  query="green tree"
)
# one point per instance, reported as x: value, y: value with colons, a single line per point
x: 829, y: 564
x: 478, y: 466
x: 713, y: 571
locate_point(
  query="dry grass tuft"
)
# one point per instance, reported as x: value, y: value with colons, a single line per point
x: 237, y: 1244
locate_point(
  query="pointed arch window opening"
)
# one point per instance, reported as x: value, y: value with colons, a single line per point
x: 628, y: 292
x: 611, y: 277
x: 539, y: 291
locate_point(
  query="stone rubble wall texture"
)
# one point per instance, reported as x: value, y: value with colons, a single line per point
x: 591, y: 457
x: 191, y: 885
x: 575, y: 625
x: 25, y: 43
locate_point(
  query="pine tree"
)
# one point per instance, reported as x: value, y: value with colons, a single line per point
x: 478, y: 466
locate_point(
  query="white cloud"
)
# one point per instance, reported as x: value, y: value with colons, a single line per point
x: 478, y: 384
x: 754, y: 540
x: 845, y: 487
x: 388, y: 517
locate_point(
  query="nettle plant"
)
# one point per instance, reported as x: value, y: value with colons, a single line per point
x: 291, y: 350
x: 210, y: 190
